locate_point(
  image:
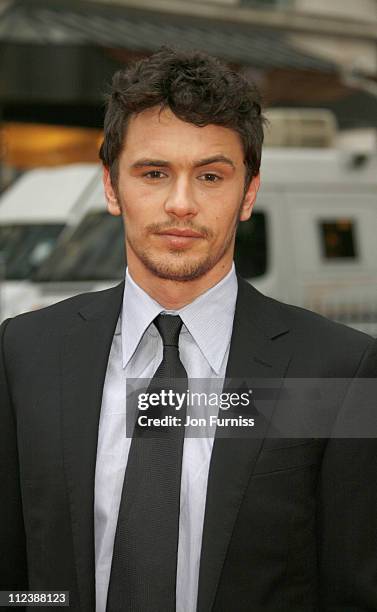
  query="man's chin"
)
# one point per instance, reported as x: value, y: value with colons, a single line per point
x: 182, y: 271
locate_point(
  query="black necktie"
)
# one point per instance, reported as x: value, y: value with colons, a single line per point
x: 144, y: 565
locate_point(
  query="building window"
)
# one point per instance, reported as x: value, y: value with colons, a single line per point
x: 338, y: 239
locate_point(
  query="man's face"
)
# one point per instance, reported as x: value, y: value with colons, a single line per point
x: 181, y: 191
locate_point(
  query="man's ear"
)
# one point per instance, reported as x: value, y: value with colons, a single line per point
x: 113, y: 205
x: 249, y: 198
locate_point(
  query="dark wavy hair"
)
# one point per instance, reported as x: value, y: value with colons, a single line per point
x: 198, y: 88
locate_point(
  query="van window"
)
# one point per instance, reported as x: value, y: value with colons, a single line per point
x: 24, y: 247
x: 95, y: 251
x: 251, y: 246
x: 338, y: 239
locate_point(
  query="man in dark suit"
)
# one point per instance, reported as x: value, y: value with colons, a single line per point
x: 235, y: 522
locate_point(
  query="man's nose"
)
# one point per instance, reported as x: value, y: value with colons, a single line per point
x: 181, y: 201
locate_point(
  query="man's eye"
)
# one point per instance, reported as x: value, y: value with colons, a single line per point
x: 209, y: 177
x: 154, y: 174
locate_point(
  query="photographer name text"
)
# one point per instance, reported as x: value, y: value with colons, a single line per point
x: 189, y: 421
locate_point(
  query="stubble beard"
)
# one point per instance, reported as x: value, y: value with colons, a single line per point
x: 182, y: 268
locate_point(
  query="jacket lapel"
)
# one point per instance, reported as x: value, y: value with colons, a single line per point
x: 258, y: 350
x: 84, y: 360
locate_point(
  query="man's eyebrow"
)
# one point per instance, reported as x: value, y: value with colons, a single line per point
x: 213, y: 160
x: 162, y: 163
x: 149, y: 163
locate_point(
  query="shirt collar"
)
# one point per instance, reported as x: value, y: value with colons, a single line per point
x: 209, y: 318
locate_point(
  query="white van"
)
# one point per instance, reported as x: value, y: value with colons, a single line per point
x: 311, y: 241
x: 323, y: 242
x: 33, y: 213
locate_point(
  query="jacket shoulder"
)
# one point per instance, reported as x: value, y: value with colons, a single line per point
x: 308, y: 320
x: 310, y: 336
x: 59, y: 317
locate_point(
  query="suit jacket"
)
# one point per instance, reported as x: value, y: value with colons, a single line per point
x: 290, y: 524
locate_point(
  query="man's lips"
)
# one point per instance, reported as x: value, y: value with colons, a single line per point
x: 179, y: 238
x: 187, y: 233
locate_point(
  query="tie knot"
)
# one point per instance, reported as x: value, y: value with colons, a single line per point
x: 169, y: 327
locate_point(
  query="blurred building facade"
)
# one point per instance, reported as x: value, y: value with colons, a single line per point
x: 56, y: 59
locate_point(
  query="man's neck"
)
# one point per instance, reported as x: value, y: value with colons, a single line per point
x: 173, y: 295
